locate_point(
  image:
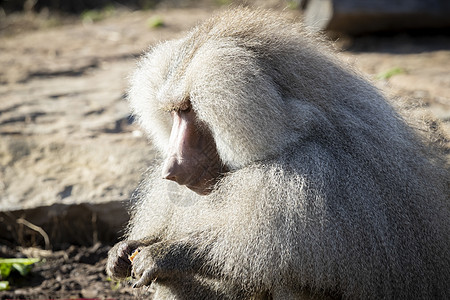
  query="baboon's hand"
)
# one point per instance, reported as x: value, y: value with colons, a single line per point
x: 161, y: 260
x: 119, y: 265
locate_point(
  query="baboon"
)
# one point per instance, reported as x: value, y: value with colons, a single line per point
x: 301, y: 180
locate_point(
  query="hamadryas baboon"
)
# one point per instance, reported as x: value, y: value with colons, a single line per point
x: 301, y: 180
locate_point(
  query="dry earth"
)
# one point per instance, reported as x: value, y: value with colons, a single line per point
x: 66, y: 136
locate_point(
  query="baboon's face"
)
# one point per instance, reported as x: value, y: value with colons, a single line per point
x: 192, y: 159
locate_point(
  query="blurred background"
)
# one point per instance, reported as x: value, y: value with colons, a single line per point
x: 70, y: 155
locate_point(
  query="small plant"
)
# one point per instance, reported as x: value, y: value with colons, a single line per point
x: 389, y: 73
x: 21, y: 265
x: 155, y: 22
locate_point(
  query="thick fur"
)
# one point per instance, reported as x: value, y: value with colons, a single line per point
x: 330, y: 193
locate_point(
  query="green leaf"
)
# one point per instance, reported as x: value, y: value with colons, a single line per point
x: 4, y: 285
x: 22, y: 269
x: 22, y: 265
x: 5, y: 269
x: 24, y: 261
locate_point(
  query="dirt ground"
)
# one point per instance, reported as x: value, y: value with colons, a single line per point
x: 76, y: 272
x: 66, y: 137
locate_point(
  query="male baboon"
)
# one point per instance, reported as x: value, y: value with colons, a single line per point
x: 306, y: 181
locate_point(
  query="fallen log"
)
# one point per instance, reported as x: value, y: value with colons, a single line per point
x: 363, y: 16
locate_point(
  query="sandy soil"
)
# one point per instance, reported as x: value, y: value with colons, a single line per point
x: 66, y: 135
